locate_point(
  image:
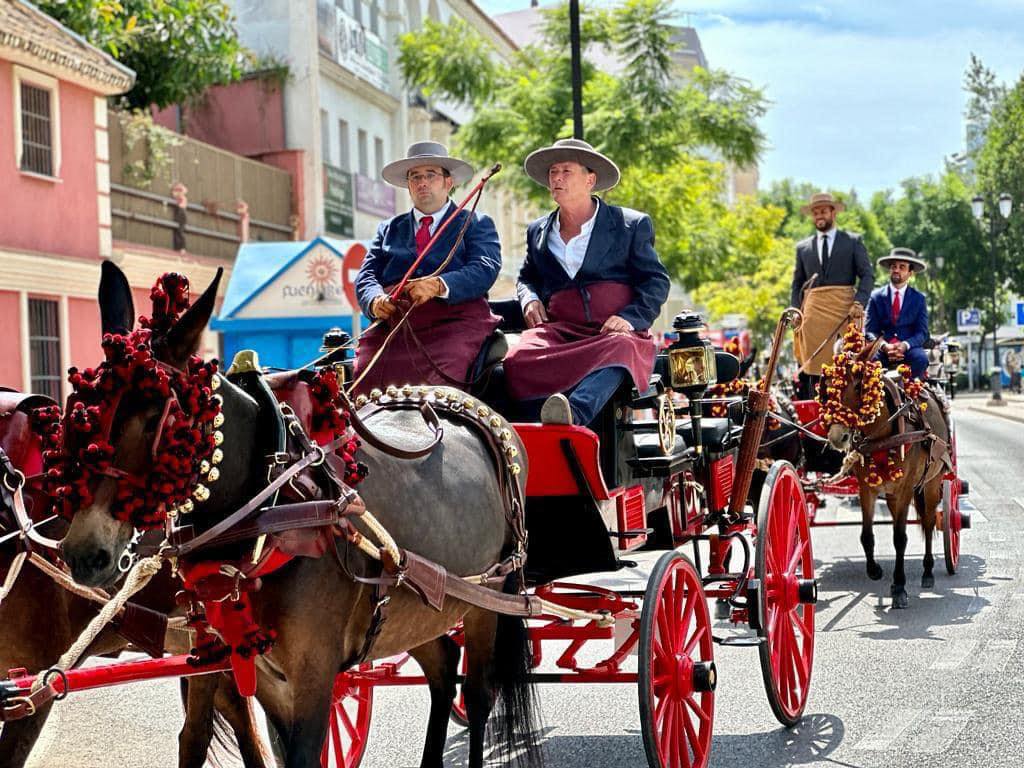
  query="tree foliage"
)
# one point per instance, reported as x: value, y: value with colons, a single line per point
x: 668, y: 131
x: 178, y: 48
x: 933, y: 217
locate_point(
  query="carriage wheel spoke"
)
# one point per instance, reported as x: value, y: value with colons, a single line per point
x: 703, y: 716
x: 683, y: 742
x: 692, y: 643
x: 798, y: 556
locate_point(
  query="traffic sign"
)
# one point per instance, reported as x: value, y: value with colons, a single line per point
x: 350, y: 264
x: 1020, y: 313
x: 968, y: 320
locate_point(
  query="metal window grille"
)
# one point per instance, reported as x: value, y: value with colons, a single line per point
x: 36, y: 132
x: 44, y: 348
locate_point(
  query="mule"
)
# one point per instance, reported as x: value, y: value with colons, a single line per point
x: 922, y: 465
x: 39, y: 620
x: 446, y: 506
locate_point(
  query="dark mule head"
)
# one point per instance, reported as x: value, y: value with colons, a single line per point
x: 138, y: 423
x: 852, y: 395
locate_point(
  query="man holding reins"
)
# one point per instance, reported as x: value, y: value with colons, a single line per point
x: 898, y: 313
x: 449, y: 318
x: 590, y: 288
x: 832, y: 281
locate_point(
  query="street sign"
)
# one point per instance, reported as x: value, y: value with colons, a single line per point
x: 350, y: 264
x: 968, y: 320
x: 1020, y: 313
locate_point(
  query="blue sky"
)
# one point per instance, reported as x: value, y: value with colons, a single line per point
x: 864, y: 93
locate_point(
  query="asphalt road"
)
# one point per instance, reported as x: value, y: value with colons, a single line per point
x: 938, y: 684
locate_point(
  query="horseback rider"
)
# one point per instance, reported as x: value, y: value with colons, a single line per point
x: 451, y: 320
x: 832, y: 280
x: 590, y: 288
x: 898, y: 313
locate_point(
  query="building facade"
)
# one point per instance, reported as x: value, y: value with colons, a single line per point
x: 70, y: 196
x: 346, y: 110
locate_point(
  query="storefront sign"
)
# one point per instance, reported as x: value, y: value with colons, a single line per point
x: 351, y: 44
x: 338, y: 213
x: 376, y: 197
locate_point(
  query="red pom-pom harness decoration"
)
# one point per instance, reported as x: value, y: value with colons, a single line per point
x: 79, y: 452
x: 330, y: 420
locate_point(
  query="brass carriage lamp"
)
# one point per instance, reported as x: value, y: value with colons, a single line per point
x: 692, y: 367
x: 691, y: 359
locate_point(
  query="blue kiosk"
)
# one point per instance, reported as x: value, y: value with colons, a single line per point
x: 283, y: 296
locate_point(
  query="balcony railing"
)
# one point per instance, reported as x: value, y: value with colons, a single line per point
x: 181, y: 194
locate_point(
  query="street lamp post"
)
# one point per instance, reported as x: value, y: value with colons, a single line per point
x: 996, y: 225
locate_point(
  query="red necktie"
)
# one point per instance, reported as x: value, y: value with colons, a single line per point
x: 423, y: 234
x: 895, y: 308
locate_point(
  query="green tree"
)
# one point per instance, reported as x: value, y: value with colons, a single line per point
x: 661, y: 129
x: 178, y: 48
x: 1000, y: 169
x: 933, y: 217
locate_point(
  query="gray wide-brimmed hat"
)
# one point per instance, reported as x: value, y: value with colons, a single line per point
x: 822, y: 198
x: 903, y: 254
x: 572, y: 151
x: 426, y: 153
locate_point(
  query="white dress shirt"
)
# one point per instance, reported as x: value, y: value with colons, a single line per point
x: 569, y: 255
x: 438, y: 215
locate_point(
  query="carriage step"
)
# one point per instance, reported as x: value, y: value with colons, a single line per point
x: 740, y: 641
x: 965, y: 487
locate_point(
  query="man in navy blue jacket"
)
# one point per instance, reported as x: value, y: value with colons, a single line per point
x: 590, y: 288
x: 449, y: 316
x: 898, y: 313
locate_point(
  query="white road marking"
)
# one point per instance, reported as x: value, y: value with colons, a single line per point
x: 995, y: 655
x: 939, y: 730
x: 890, y: 728
x: 953, y: 654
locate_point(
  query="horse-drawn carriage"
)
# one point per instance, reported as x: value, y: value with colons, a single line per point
x: 590, y: 498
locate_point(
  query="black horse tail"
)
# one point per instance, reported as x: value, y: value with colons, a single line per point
x: 516, y: 720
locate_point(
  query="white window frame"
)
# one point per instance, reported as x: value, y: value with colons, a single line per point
x: 47, y: 83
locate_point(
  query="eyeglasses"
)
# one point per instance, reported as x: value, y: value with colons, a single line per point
x: 429, y: 176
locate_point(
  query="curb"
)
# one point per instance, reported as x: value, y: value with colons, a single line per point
x: 998, y: 412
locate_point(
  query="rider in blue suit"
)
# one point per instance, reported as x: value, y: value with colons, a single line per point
x: 898, y: 313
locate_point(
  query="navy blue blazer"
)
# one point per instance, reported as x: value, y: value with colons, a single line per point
x: 912, y: 326
x: 621, y: 250
x: 470, y: 274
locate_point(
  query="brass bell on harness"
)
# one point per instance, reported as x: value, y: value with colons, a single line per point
x: 213, y: 475
x: 218, y: 437
x: 215, y: 382
x: 204, y: 467
x: 361, y: 401
x: 218, y: 456
x: 201, y: 492
x: 218, y: 421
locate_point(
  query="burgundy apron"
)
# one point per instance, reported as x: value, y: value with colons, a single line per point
x: 436, y: 345
x: 555, y: 356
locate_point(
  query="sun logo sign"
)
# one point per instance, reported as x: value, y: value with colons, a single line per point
x: 321, y: 271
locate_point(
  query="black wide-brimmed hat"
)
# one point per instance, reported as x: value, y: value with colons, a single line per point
x: 903, y: 254
x: 572, y: 151
x: 426, y: 153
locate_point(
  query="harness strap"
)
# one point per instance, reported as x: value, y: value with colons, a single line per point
x: 358, y: 421
x: 216, y: 531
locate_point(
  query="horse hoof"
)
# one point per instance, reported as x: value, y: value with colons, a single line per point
x: 900, y: 599
x: 875, y: 571
x: 927, y: 581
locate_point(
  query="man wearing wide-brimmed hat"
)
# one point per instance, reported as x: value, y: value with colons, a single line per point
x: 898, y: 313
x: 832, y: 281
x: 450, y: 317
x: 590, y: 288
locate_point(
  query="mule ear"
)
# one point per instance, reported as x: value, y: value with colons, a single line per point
x: 117, y: 310
x: 183, y: 339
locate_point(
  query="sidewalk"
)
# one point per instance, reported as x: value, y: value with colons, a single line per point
x: 977, y: 401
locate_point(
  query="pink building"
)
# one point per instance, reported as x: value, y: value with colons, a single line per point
x: 56, y: 218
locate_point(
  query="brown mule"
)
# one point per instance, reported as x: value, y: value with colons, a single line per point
x: 39, y: 620
x: 917, y: 436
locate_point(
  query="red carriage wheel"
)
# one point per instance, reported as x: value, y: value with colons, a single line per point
x: 785, y: 593
x: 349, y: 724
x: 951, y: 522
x: 952, y: 519
x: 677, y: 673
x: 459, y: 716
